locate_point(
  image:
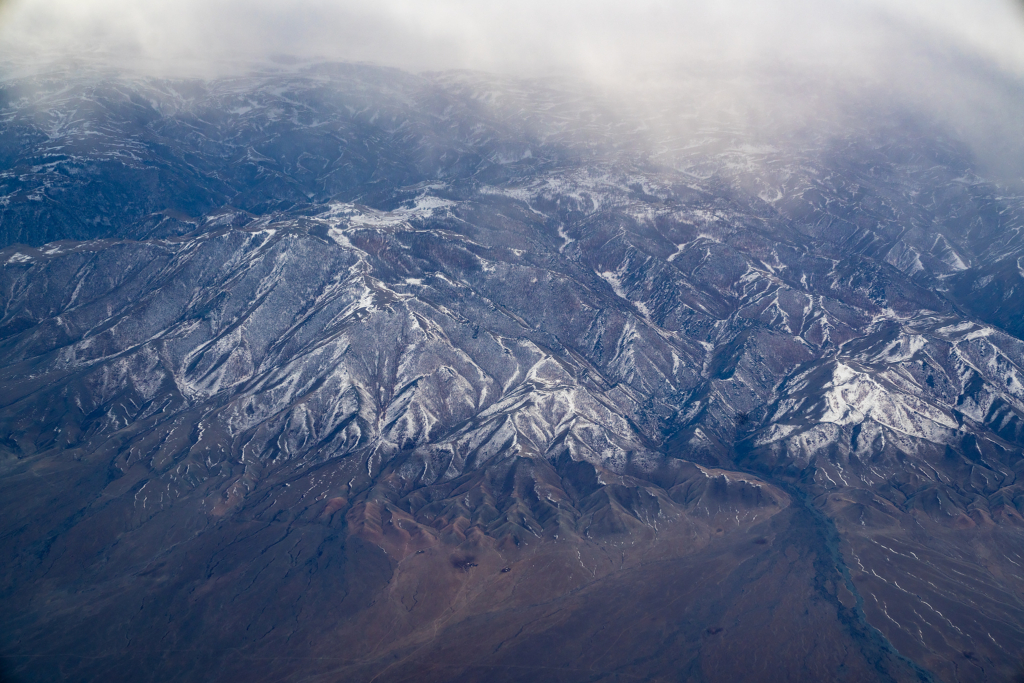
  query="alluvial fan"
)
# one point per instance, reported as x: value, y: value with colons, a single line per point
x: 348, y: 374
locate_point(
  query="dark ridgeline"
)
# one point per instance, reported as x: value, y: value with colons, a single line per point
x: 367, y: 376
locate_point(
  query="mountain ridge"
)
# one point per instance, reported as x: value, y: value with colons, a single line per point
x: 783, y: 366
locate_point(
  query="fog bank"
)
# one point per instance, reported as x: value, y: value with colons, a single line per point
x: 796, y: 61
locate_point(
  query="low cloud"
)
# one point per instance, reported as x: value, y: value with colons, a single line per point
x: 962, y: 61
x: 528, y: 36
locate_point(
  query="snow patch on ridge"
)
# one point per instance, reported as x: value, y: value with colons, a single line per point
x: 853, y: 397
x: 352, y: 214
x: 614, y: 278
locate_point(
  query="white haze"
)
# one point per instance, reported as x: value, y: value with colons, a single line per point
x: 526, y: 36
x: 960, y: 62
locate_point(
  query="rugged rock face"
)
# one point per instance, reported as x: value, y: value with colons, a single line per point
x: 366, y: 376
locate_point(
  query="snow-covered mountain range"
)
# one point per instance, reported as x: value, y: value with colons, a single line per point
x: 350, y: 372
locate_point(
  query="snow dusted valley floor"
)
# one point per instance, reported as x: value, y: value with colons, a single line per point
x: 344, y: 374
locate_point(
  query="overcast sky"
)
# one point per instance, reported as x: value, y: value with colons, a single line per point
x: 602, y: 37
